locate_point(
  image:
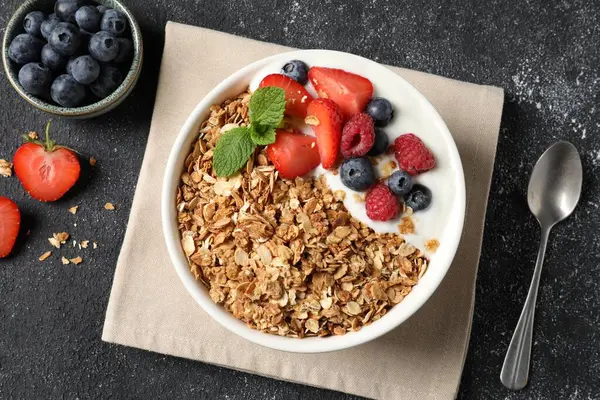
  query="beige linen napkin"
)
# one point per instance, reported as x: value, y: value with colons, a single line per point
x: 150, y: 309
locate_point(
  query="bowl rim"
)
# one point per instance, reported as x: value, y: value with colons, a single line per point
x: 174, y: 166
x: 98, y: 107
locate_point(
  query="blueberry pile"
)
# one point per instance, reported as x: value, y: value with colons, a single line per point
x: 74, y: 56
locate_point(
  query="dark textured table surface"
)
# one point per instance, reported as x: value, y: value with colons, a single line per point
x: 545, y: 55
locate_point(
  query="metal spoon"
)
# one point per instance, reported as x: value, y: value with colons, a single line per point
x: 554, y: 190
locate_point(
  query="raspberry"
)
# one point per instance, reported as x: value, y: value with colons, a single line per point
x: 358, y: 136
x: 412, y: 155
x: 381, y: 203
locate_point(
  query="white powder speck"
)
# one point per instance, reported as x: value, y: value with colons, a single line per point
x: 583, y: 133
x: 596, y: 158
x: 577, y: 82
x: 538, y: 106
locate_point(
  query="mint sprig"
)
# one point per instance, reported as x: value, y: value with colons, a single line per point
x: 267, y: 105
x: 263, y: 138
x: 233, y: 148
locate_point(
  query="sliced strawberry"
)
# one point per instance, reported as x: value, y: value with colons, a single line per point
x: 326, y: 119
x: 296, y: 96
x: 46, y: 171
x: 10, y: 221
x: 293, y: 154
x: 349, y: 91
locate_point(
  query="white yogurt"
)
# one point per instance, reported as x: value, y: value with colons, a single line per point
x: 410, y: 117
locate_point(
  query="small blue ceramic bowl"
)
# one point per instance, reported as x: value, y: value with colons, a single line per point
x: 15, y: 27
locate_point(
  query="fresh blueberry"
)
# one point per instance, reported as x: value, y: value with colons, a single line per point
x: 33, y: 23
x: 25, y: 49
x: 69, y: 65
x: 65, y: 38
x: 66, y: 9
x: 67, y: 92
x: 125, y: 50
x: 419, y: 198
x: 52, y: 59
x: 114, y: 22
x: 357, y: 173
x: 35, y: 78
x: 102, y: 8
x: 85, y: 69
x: 297, y: 70
x: 103, y: 46
x: 380, y: 110
x: 400, y: 182
x: 88, y: 18
x: 109, y: 80
x: 382, y: 142
x: 48, y: 25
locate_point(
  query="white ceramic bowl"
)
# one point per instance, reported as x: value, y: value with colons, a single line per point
x: 443, y: 220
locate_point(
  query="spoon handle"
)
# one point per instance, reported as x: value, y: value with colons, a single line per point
x: 515, y: 371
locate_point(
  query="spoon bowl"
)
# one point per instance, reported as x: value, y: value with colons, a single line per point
x: 555, y: 184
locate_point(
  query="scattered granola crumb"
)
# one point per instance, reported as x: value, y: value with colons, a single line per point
x: 84, y: 244
x: 58, y: 238
x: 339, y: 195
x: 312, y: 120
x: 33, y: 135
x: 432, y: 245
x: 387, y: 169
x: 406, y: 226
x: 359, y: 198
x: 73, y: 210
x: 64, y: 260
x: 109, y: 206
x: 62, y: 237
x: 76, y: 260
x: 45, y: 255
x: 92, y: 161
x: 5, y: 168
x: 94, y: 245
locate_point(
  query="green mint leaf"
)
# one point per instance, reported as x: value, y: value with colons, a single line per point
x: 267, y: 105
x: 232, y: 151
x: 262, y: 137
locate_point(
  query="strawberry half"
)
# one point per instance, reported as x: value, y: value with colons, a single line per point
x: 349, y: 91
x: 326, y: 120
x: 10, y: 221
x: 296, y: 96
x: 46, y: 171
x: 293, y: 154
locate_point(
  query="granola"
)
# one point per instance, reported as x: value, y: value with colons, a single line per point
x: 5, y: 168
x: 285, y: 256
x: 432, y: 245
